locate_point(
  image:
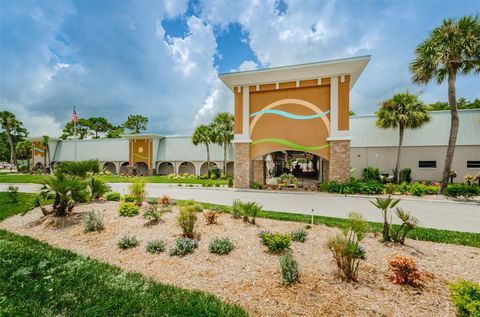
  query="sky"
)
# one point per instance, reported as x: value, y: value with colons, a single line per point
x: 162, y: 59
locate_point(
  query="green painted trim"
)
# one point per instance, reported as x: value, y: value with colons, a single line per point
x: 291, y: 144
x: 39, y: 150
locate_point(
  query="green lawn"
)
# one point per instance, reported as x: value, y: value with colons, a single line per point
x: 7, y: 208
x: 38, y: 179
x: 39, y: 280
x: 425, y: 234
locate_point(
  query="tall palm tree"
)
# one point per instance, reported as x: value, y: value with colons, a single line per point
x: 402, y: 111
x: 223, y: 125
x: 453, y: 48
x: 203, y: 134
x: 9, y: 123
x: 45, y: 140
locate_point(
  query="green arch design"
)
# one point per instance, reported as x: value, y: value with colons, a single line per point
x: 291, y: 144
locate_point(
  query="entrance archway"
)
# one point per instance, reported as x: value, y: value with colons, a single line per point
x: 141, y: 168
x: 38, y: 166
x: 166, y: 168
x: 204, y: 167
x: 187, y: 167
x: 110, y: 166
x: 124, y: 168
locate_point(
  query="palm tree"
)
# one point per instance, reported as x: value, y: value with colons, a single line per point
x: 10, y: 124
x: 452, y: 48
x: 45, y: 140
x: 223, y: 125
x: 203, y: 134
x: 402, y: 111
x: 23, y: 150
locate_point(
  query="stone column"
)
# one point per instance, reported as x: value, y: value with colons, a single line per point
x: 258, y: 167
x: 152, y: 172
x: 339, y: 164
x: 242, y: 165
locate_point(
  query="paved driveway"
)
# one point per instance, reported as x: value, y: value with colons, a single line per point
x: 434, y: 214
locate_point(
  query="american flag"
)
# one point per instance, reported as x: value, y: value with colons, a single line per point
x: 74, y: 116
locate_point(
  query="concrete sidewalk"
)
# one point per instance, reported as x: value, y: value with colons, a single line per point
x: 448, y: 215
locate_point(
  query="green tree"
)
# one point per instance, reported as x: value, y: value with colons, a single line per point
x: 46, y: 156
x: 136, y: 123
x: 99, y: 125
x: 402, y: 111
x: 462, y: 103
x: 452, y: 48
x: 203, y: 134
x: 80, y: 130
x: 223, y: 124
x: 24, y: 151
x: 14, y: 132
x: 115, y: 132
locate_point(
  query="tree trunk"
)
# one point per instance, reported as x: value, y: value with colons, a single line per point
x: 208, y: 160
x: 452, y: 101
x: 399, y: 153
x: 225, y: 144
x: 47, y: 151
x: 13, y: 155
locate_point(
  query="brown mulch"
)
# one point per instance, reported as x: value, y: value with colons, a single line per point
x: 250, y: 276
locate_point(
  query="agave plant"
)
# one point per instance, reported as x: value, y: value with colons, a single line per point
x: 384, y: 204
x: 409, y: 223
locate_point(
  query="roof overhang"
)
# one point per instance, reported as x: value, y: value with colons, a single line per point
x: 141, y: 136
x: 324, y: 69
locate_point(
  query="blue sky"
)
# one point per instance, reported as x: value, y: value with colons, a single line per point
x: 162, y: 58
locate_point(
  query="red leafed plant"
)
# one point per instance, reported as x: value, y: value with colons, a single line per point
x: 405, y: 271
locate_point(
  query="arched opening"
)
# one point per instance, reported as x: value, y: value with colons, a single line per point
x: 124, y: 168
x: 141, y: 168
x: 110, y: 166
x: 165, y: 168
x: 230, y: 168
x: 308, y: 169
x: 204, y: 167
x: 38, y: 166
x: 187, y: 167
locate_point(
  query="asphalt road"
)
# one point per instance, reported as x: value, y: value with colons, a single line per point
x: 458, y: 216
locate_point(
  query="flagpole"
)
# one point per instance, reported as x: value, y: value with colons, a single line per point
x: 75, y: 134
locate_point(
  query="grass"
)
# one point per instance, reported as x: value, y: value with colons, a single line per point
x: 39, y: 179
x: 39, y: 280
x: 424, y: 234
x: 8, y: 209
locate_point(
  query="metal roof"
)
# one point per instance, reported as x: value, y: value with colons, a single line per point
x: 101, y: 149
x: 181, y: 148
x: 434, y: 133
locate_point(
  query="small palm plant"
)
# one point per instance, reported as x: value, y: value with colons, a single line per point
x: 68, y: 191
x: 385, y: 204
x: 399, y: 232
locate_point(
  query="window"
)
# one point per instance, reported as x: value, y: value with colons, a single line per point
x: 473, y: 164
x: 427, y: 164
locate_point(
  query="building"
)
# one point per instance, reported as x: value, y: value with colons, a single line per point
x: 284, y: 116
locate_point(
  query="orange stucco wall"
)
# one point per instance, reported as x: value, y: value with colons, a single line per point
x: 343, y: 104
x: 141, y: 151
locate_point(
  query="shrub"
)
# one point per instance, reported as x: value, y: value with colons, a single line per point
x: 221, y: 246
x: 165, y: 201
x: 249, y: 211
x: 127, y: 242
x: 186, y: 220
x: 256, y: 185
x: 38, y: 201
x: 137, y: 190
x: 154, y: 213
x: 99, y: 188
x: 276, y: 242
x: 183, y: 246
x: 237, y: 209
x: 217, y: 173
x: 289, y: 268
x: 385, y: 204
x: 403, y: 188
x: 155, y: 246
x: 288, y: 179
x: 192, y: 203
x: 262, y: 235
x: 128, y: 199
x: 417, y: 189
x: 69, y: 190
x: 399, y: 232
x: 346, y: 249
x: 113, y: 196
x: 211, y: 217
x: 128, y: 210
x: 93, y: 221
x: 213, y: 176
x: 405, y: 175
x: 465, y: 296
x: 371, y: 174
x: 230, y: 182
x: 78, y: 168
x: 390, y: 188
x: 353, y: 187
x: 456, y: 190
x: 299, y: 235
x: 405, y: 271
x: 13, y: 193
